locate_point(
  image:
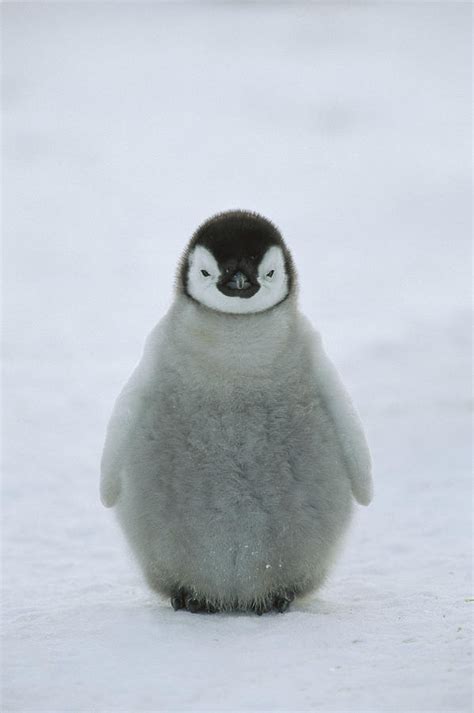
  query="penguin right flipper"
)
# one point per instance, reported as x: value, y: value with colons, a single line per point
x: 129, y: 407
x: 125, y: 414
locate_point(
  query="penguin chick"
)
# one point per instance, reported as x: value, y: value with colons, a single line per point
x: 233, y: 453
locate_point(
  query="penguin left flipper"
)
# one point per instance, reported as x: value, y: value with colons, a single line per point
x: 347, y: 424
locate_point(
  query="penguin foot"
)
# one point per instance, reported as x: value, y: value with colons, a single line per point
x: 282, y: 603
x: 185, y: 600
x: 177, y: 600
x: 260, y: 609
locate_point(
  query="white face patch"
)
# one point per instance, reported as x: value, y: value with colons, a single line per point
x: 204, y: 274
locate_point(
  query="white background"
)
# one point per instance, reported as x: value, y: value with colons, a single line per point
x: 126, y: 125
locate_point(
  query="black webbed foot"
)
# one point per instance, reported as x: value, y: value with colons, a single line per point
x: 282, y: 603
x: 193, y: 604
x: 178, y: 600
x: 183, y: 599
x: 260, y: 608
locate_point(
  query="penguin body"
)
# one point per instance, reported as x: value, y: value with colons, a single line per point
x: 233, y: 453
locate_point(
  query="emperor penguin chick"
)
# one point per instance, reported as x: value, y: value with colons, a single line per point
x: 233, y: 453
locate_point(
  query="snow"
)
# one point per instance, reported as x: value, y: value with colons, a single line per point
x: 126, y: 125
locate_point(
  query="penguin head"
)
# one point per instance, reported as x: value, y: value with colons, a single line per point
x: 237, y: 262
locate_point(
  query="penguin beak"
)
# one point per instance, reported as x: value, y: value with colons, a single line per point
x: 239, y: 285
x: 238, y: 281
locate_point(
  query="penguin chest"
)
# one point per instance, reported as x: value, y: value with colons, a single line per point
x: 236, y: 441
x: 230, y: 482
x: 231, y: 453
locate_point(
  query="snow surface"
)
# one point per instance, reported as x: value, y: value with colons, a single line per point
x: 128, y: 124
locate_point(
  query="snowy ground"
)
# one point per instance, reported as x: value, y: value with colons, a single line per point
x: 127, y: 125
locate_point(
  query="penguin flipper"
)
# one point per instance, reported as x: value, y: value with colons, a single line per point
x: 127, y: 412
x: 348, y: 426
x: 110, y: 486
x: 121, y: 426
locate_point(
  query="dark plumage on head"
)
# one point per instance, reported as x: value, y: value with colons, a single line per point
x: 238, y: 241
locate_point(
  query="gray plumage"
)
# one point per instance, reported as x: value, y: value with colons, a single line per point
x: 233, y: 454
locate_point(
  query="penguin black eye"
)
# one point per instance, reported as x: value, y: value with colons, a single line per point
x: 205, y: 273
x: 271, y: 273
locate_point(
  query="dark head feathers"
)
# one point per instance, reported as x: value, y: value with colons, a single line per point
x: 237, y: 234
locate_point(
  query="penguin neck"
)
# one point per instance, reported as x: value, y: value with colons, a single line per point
x: 238, y: 343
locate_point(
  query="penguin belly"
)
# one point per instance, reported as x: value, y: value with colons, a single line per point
x: 235, y: 491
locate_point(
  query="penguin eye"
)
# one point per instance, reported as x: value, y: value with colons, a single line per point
x: 205, y: 273
x: 271, y: 273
